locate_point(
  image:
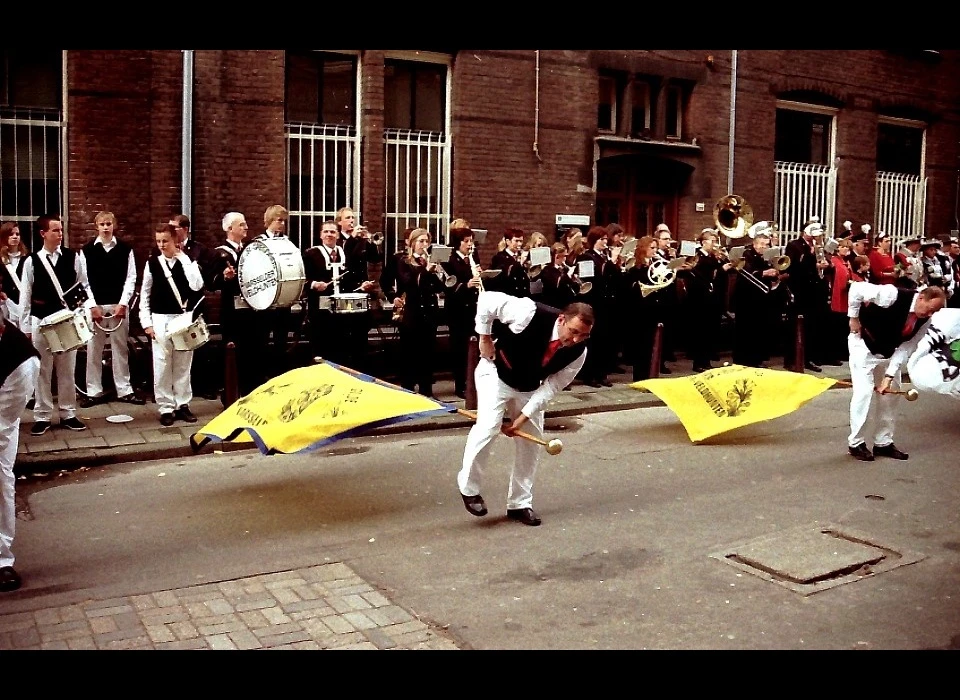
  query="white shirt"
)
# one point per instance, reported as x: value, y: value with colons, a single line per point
x: 883, y: 295
x: 130, y: 280
x: 190, y: 268
x: 26, y: 283
x: 516, y: 313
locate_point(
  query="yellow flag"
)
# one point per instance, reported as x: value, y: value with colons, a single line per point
x: 312, y: 406
x: 721, y: 399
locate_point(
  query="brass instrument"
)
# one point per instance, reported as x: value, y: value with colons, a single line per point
x: 725, y: 256
x: 448, y: 280
x: 628, y: 254
x: 581, y: 287
x: 732, y: 216
x: 660, y: 274
x: 736, y: 253
x: 779, y: 261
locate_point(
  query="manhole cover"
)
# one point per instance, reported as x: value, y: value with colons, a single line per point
x: 813, y: 558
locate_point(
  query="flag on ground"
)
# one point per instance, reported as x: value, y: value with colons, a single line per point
x: 310, y: 407
x: 725, y: 398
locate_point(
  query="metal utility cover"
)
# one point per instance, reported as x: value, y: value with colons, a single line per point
x: 814, y: 557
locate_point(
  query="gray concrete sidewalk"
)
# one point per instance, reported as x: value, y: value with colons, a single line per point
x: 143, y: 438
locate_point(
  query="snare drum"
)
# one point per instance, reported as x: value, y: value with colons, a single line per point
x: 65, y: 330
x: 187, y: 334
x: 353, y: 303
x: 271, y: 273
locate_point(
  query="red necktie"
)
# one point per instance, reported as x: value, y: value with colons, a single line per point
x: 908, y: 326
x: 422, y: 261
x: 334, y: 256
x: 551, y: 351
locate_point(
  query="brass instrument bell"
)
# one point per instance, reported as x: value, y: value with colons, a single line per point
x: 732, y: 216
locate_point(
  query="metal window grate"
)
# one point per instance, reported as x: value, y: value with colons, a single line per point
x: 803, y: 190
x: 900, y: 206
x: 417, y: 183
x: 323, y: 174
x: 31, y: 164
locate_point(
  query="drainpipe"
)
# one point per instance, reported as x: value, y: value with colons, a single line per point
x: 536, y: 118
x: 186, y: 156
x: 733, y: 119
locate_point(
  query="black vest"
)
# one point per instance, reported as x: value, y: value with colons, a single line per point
x: 519, y: 356
x: 882, y: 327
x: 44, y: 299
x: 162, y: 300
x: 10, y: 288
x: 14, y: 349
x: 107, y: 270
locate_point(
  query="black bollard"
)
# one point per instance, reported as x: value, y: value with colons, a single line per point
x: 473, y: 359
x: 799, y: 358
x: 657, y: 351
x: 231, y: 386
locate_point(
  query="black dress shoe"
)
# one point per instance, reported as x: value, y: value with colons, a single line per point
x: 40, y: 427
x: 73, y: 423
x: 91, y: 401
x: 184, y: 414
x: 474, y: 505
x: 889, y: 451
x: 9, y: 579
x: 527, y: 516
x: 861, y: 452
x: 606, y: 382
x: 166, y: 419
x: 132, y: 398
x: 812, y: 367
x: 594, y: 383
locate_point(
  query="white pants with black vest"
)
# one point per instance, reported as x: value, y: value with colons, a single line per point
x: 866, y: 372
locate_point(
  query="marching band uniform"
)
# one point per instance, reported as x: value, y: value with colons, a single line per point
x: 909, y: 263
x: 39, y: 299
x: 937, y: 271
x: 158, y: 308
x: 460, y: 304
x: 11, y: 276
x: 559, y: 289
x: 112, y: 272
x: 753, y: 311
x: 602, y: 297
x: 703, y: 306
x: 647, y: 312
x: 236, y: 318
x: 889, y: 334
x: 513, y: 280
x: 810, y: 294
x: 526, y: 374
x: 418, y: 327
x: 271, y: 334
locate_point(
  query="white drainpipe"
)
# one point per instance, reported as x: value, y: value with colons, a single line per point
x: 186, y: 157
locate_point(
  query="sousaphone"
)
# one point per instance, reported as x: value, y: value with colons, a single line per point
x: 732, y: 216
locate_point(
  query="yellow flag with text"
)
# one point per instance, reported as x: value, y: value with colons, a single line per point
x: 725, y: 398
x: 310, y: 407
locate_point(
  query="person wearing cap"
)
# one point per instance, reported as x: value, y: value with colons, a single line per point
x: 907, y: 263
x: 752, y: 340
x: 886, y: 326
x: 808, y: 265
x: 859, y: 241
x: 882, y: 263
x: 936, y: 266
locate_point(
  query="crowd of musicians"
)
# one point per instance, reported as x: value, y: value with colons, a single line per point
x: 644, y: 292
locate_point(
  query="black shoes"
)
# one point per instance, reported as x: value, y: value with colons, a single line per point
x: 593, y: 383
x: 166, y: 419
x: 527, y: 516
x: 889, y: 451
x: 812, y: 367
x: 665, y: 370
x: 9, y: 579
x: 474, y: 505
x: 184, y: 414
x: 861, y: 452
x: 91, y: 401
x: 132, y: 398
x: 40, y: 427
x: 73, y: 423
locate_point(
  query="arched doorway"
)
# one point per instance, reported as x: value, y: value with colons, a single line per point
x: 638, y: 192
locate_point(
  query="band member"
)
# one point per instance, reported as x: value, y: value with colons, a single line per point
x: 13, y: 256
x: 669, y: 298
x: 513, y: 278
x: 753, y: 306
x: 882, y: 262
x: 884, y: 333
x: 529, y: 353
x: 838, y: 327
x: 419, y: 281
x: 168, y: 279
x: 272, y: 326
x: 112, y: 272
x: 808, y: 265
x: 702, y: 299
x: 602, y: 298
x: 560, y: 283
x: 47, y: 273
x: 646, y: 309
x: 336, y: 335
x: 19, y: 367
x: 907, y: 263
x: 536, y: 240
x: 364, y: 258
x: 236, y: 318
x: 936, y: 266
x: 460, y: 303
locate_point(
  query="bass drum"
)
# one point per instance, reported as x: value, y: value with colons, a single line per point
x: 271, y: 273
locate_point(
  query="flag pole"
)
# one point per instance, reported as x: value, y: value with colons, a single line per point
x: 553, y: 447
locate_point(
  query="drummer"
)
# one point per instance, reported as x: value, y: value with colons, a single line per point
x: 41, y: 295
x: 340, y: 337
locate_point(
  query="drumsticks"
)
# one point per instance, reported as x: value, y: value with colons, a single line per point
x: 553, y: 447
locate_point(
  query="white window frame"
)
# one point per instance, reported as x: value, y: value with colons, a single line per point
x: 901, y: 198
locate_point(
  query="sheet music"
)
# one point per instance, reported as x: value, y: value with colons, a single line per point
x: 540, y: 255
x: 585, y: 269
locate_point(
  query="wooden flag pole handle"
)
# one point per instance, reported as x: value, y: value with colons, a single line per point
x: 908, y: 394
x: 553, y: 447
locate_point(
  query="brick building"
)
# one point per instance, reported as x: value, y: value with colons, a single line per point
x: 499, y: 137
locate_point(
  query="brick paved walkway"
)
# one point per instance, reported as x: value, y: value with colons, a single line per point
x: 321, y: 607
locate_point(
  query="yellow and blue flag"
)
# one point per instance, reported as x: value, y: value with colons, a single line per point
x: 729, y: 397
x: 310, y: 407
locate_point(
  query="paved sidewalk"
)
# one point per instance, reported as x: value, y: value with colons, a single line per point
x: 143, y: 438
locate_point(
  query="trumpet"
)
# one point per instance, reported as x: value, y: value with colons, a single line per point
x: 581, y: 287
x: 448, y: 280
x: 377, y: 239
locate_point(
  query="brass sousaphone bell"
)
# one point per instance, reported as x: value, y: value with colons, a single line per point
x: 732, y: 216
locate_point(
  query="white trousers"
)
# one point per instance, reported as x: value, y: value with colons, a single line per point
x: 494, y: 399
x: 65, y: 365
x: 171, y: 368
x: 866, y: 405
x: 13, y: 399
x: 119, y: 354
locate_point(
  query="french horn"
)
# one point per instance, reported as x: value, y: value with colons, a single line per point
x: 732, y: 216
x: 660, y: 274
